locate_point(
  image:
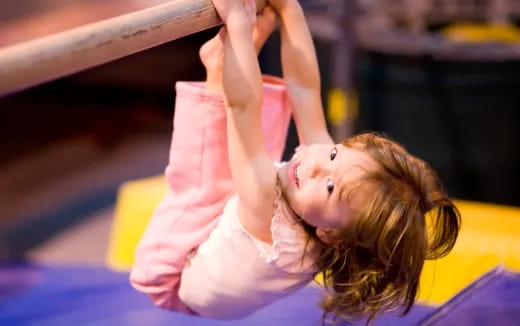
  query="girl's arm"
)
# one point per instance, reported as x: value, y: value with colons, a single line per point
x: 253, y: 173
x: 301, y: 73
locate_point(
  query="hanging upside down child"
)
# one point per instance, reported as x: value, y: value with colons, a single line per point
x: 239, y: 230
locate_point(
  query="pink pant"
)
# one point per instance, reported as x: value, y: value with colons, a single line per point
x: 200, y: 183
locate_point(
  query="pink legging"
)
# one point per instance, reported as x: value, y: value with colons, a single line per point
x: 200, y: 183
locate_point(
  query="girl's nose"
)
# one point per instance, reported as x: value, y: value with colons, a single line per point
x: 317, y: 169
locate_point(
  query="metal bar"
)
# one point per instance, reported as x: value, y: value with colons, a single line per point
x: 34, y: 62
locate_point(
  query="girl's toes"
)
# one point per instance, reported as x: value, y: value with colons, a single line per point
x: 264, y: 26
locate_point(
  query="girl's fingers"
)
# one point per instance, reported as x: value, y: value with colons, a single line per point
x: 250, y: 6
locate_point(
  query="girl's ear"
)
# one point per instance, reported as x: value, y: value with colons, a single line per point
x: 328, y: 236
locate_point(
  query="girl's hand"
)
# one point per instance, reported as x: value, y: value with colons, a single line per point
x: 212, y: 52
x: 226, y: 9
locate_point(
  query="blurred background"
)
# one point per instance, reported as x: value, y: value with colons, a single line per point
x: 441, y: 77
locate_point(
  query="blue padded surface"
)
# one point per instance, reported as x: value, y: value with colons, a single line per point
x: 493, y: 299
x: 63, y: 295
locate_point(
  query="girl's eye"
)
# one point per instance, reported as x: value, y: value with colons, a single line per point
x: 333, y: 154
x: 330, y: 186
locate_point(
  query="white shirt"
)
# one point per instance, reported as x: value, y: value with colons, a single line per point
x: 233, y: 274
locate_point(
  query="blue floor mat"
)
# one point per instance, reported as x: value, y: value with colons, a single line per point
x: 60, y: 295
x: 493, y: 299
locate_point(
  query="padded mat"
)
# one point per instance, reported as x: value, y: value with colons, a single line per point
x: 493, y: 299
x: 63, y: 295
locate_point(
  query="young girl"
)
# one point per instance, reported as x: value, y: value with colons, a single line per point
x: 237, y: 232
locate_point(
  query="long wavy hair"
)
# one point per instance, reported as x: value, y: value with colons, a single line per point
x: 408, y: 218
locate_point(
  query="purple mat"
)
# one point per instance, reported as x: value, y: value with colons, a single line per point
x: 53, y: 295
x: 493, y: 299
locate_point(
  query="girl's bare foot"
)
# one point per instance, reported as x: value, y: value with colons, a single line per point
x: 212, y: 52
x: 264, y: 26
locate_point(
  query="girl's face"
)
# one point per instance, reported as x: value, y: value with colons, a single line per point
x: 317, y: 181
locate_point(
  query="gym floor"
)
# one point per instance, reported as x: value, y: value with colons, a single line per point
x: 82, y: 244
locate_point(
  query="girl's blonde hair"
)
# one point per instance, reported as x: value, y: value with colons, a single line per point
x: 378, y: 262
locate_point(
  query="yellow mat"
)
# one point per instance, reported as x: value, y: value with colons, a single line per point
x: 490, y: 235
x: 136, y: 201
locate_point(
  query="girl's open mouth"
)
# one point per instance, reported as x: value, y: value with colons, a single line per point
x: 293, y: 173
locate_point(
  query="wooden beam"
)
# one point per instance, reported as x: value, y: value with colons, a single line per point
x: 38, y: 61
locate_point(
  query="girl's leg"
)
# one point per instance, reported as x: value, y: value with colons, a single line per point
x: 199, y: 184
x: 276, y: 113
x: 199, y: 180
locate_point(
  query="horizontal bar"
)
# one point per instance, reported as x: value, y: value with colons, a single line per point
x: 48, y: 58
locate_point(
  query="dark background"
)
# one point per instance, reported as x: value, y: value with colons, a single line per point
x: 112, y: 123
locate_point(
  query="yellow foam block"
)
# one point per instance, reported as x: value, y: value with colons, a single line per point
x: 490, y: 235
x: 136, y: 202
x: 482, y: 32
